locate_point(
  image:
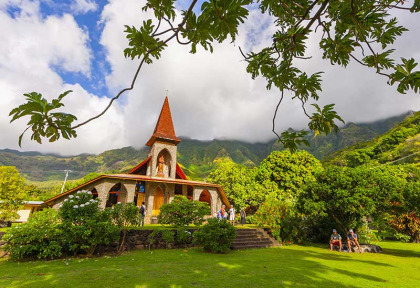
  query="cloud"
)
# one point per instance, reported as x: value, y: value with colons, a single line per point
x: 211, y: 95
x: 83, y: 6
x: 32, y: 51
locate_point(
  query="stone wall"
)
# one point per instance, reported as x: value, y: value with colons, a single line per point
x: 139, y: 240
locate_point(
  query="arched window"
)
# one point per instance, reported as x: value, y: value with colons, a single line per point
x: 94, y: 193
x: 113, y: 195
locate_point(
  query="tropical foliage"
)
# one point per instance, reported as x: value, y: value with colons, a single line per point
x: 183, y: 212
x: 216, y: 236
x: 12, y: 192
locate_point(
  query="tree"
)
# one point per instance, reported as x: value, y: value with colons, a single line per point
x: 288, y: 171
x: 354, y: 30
x: 124, y: 217
x: 12, y: 192
x: 240, y: 185
x: 346, y: 195
x: 182, y: 212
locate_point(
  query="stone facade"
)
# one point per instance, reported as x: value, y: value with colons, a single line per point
x: 160, y: 177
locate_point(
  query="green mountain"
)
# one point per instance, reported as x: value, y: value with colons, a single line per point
x: 197, y: 158
x: 399, y: 145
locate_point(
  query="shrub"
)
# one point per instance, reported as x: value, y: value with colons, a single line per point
x: 40, y: 237
x: 280, y: 217
x: 168, y: 237
x: 124, y: 216
x: 183, y: 237
x: 216, y: 236
x: 84, y: 225
x: 366, y: 235
x: 183, y: 212
x: 153, y: 237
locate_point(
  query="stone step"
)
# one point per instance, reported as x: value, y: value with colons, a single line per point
x: 245, y: 241
x: 250, y: 236
x: 253, y: 238
x: 248, y: 246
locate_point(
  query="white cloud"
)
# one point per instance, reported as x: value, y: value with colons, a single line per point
x: 83, y: 6
x: 32, y: 48
x: 211, y: 95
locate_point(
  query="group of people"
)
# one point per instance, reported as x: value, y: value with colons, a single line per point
x: 223, y: 214
x: 352, y: 240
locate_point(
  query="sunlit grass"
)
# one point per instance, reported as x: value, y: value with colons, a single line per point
x: 290, y: 266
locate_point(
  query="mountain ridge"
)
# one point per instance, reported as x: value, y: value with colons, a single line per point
x: 197, y: 157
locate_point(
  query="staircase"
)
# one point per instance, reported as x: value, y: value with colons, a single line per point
x: 253, y: 238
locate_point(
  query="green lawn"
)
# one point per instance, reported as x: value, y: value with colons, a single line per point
x: 291, y: 266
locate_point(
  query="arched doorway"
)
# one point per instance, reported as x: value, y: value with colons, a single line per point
x: 158, y: 200
x: 205, y: 197
x: 113, y: 195
x: 139, y: 195
x: 94, y: 193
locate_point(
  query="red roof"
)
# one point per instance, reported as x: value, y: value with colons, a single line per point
x: 136, y: 168
x: 164, y: 127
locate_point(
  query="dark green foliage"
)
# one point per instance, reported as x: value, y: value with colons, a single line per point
x: 84, y: 225
x: 183, y: 212
x: 183, y: 237
x: 346, y: 195
x: 44, y: 122
x: 216, y: 236
x: 282, y: 219
x: 124, y: 217
x: 168, y: 236
x: 40, y: 237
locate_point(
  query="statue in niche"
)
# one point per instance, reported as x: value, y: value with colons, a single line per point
x: 161, y: 165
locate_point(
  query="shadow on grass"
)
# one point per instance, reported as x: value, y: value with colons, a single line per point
x: 274, y: 267
x: 401, y: 253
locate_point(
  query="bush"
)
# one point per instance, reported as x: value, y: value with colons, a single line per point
x: 280, y: 217
x: 124, y: 216
x: 216, y: 236
x: 168, y: 237
x: 183, y: 212
x: 366, y: 235
x: 153, y: 237
x: 40, y: 237
x: 183, y: 237
x: 84, y: 225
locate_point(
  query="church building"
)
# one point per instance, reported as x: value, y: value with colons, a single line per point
x: 154, y: 181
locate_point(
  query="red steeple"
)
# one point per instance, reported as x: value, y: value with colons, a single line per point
x: 164, y: 129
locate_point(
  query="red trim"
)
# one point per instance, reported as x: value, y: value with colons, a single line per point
x: 139, y: 166
x: 180, y: 173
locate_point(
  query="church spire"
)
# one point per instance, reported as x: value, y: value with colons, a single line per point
x: 164, y: 129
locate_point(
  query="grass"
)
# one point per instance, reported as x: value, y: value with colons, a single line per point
x: 290, y: 266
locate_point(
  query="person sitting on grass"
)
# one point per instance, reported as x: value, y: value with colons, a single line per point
x: 335, y: 240
x: 352, y: 240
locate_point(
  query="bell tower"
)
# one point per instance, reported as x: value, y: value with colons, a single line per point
x: 163, y: 146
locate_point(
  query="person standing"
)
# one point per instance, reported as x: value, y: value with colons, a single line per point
x: 335, y: 240
x: 232, y: 215
x: 243, y: 216
x: 142, y: 213
x: 223, y: 213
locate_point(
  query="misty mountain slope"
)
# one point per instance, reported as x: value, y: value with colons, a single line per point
x: 399, y: 145
x: 197, y: 158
